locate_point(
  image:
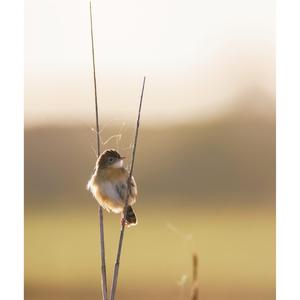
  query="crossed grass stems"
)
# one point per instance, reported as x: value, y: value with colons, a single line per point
x: 194, y: 292
x: 100, y: 210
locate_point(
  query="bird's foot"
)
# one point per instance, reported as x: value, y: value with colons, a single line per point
x: 123, y: 222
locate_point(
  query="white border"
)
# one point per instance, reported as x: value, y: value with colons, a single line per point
x: 11, y: 158
x: 288, y: 150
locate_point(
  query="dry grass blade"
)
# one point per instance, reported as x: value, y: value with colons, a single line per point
x: 117, y: 263
x: 195, y: 290
x: 100, y: 210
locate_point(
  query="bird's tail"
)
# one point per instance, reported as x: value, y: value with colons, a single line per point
x: 130, y: 219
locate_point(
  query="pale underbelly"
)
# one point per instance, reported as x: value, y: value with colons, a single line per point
x: 110, y: 204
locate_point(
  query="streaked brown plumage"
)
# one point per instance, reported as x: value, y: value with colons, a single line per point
x: 108, y: 184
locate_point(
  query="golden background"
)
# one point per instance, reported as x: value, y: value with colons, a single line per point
x: 205, y: 163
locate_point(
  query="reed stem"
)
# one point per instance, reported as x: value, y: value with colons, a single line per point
x: 117, y: 263
x: 100, y: 210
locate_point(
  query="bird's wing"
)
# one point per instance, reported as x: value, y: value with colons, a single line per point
x: 133, y: 187
x: 121, y: 188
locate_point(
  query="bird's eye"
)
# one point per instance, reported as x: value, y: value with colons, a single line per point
x: 110, y: 159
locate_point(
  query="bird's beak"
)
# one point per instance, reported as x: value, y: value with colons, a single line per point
x: 123, y: 157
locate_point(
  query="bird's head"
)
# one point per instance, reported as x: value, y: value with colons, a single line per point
x: 110, y: 159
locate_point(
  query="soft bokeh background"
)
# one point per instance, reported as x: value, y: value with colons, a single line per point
x: 205, y: 161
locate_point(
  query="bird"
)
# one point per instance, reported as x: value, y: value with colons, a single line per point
x: 109, y: 186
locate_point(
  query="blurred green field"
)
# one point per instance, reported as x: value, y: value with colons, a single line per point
x: 236, y: 248
x: 204, y: 187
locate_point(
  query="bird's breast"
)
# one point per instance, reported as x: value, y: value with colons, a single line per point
x: 110, y: 189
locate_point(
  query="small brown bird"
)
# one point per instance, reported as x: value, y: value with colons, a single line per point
x: 108, y: 184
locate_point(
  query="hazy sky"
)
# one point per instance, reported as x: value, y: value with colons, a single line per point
x: 198, y: 56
